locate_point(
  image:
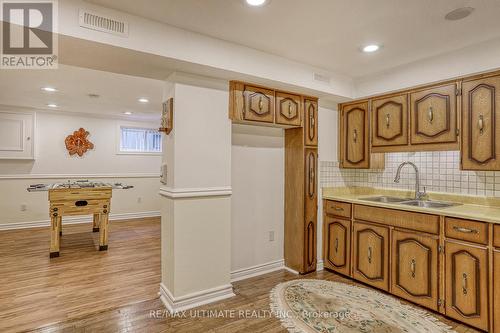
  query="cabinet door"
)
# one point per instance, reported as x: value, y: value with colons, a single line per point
x: 467, y: 284
x: 311, y: 209
x: 434, y: 115
x: 481, y: 124
x: 258, y: 104
x: 16, y: 135
x: 354, y: 136
x: 496, y: 291
x: 337, y: 244
x: 371, y: 246
x: 415, y: 268
x: 288, y: 109
x: 390, y: 121
x: 311, y: 121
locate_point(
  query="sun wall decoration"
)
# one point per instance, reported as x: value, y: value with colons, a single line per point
x: 77, y: 143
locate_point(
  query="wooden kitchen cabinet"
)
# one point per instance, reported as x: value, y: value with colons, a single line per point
x: 467, y: 284
x: 481, y: 124
x: 311, y: 208
x: 288, y: 109
x: 434, y: 118
x: 389, y: 120
x: 354, y: 140
x: 311, y: 121
x: 258, y: 104
x: 371, y: 253
x: 415, y: 268
x: 337, y: 241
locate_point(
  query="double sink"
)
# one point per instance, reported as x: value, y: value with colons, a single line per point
x: 410, y: 202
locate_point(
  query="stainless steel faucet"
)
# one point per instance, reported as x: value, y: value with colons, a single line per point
x: 418, y: 195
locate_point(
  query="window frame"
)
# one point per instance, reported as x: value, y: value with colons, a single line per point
x: 119, y: 140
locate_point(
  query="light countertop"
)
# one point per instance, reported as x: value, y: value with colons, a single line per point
x: 485, y: 209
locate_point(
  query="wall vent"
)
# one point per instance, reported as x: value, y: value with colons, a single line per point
x: 111, y: 25
x: 321, y: 78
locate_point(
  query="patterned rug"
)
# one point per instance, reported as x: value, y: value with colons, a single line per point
x: 331, y: 307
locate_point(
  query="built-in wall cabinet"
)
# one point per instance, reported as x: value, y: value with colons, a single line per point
x: 448, y: 265
x: 461, y: 114
x: 298, y: 114
x: 17, y: 135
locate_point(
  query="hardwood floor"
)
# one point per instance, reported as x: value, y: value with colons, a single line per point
x: 89, y: 291
x: 36, y: 291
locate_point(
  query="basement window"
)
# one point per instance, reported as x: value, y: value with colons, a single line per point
x: 135, y: 140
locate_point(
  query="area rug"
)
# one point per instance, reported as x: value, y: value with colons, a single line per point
x: 331, y: 307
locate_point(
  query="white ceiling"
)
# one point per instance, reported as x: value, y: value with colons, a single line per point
x: 118, y: 93
x: 329, y: 33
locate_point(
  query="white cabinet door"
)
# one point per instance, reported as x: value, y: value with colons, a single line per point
x: 16, y: 135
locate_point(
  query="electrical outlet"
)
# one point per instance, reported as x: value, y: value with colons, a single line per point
x: 271, y: 236
x: 24, y: 207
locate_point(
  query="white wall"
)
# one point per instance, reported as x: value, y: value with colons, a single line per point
x: 53, y: 164
x: 257, y: 205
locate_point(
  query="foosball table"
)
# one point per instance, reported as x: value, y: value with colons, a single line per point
x: 78, y: 198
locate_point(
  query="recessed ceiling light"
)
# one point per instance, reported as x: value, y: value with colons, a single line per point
x: 49, y: 89
x: 256, y: 3
x: 128, y: 113
x: 459, y: 13
x: 52, y: 105
x: 143, y: 100
x: 370, y: 48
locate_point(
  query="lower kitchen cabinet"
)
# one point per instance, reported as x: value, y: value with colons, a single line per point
x: 371, y: 255
x: 467, y: 284
x: 415, y: 268
x: 496, y: 291
x: 337, y: 240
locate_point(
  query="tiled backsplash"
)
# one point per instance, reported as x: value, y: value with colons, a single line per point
x: 439, y: 172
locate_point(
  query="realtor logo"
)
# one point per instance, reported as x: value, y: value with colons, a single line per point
x: 29, y: 39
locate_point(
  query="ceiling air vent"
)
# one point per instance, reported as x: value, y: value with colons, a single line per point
x: 321, y: 78
x: 111, y: 25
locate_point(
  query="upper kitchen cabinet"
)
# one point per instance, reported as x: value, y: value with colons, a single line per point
x: 354, y: 143
x: 481, y: 124
x: 288, y: 109
x: 354, y: 149
x: 434, y: 118
x: 257, y: 105
x: 311, y: 121
x: 389, y: 122
x: 17, y: 135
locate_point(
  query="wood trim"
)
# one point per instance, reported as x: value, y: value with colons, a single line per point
x: 493, y: 122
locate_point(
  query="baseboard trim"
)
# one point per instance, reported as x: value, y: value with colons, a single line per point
x: 246, y: 273
x: 291, y: 270
x: 80, y: 176
x: 77, y: 220
x: 194, y: 300
x: 175, y: 193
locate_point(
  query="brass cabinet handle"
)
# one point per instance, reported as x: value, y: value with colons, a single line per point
x: 311, y: 120
x: 289, y: 110
x: 355, y: 136
x: 261, y: 103
x: 388, y: 120
x: 480, y: 124
x: 413, y: 267
x: 312, y: 180
x: 464, y: 284
x: 369, y: 254
x: 465, y: 230
x: 338, y: 209
x: 431, y: 115
x: 336, y: 245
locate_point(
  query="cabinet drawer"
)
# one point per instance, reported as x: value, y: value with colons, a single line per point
x: 80, y: 207
x: 398, y: 218
x: 338, y: 208
x: 496, y: 235
x: 79, y: 194
x: 471, y: 231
